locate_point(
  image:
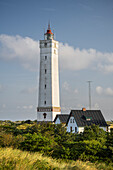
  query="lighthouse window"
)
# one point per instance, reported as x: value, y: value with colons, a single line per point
x: 45, y: 86
x: 44, y: 102
x: 54, y: 51
x: 45, y: 71
x: 45, y: 57
x: 44, y: 115
x: 45, y: 44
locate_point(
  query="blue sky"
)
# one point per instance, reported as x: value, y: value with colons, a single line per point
x: 84, y: 29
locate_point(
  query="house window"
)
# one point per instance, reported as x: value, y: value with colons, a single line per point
x: 45, y: 86
x: 45, y: 71
x: 70, y: 120
x: 75, y: 129
x: 45, y: 57
x: 44, y: 102
x: 70, y: 128
x: 44, y: 115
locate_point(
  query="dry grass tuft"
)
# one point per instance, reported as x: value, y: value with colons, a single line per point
x: 22, y: 160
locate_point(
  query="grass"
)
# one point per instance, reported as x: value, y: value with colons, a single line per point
x: 24, y: 126
x: 13, y: 159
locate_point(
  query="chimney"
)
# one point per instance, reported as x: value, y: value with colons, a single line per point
x: 83, y: 109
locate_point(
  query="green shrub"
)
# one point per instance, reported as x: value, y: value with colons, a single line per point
x: 37, y: 142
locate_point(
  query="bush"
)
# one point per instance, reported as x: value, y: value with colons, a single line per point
x: 37, y: 142
x: 9, y: 140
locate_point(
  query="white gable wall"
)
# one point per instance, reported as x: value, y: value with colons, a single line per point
x: 81, y: 129
x: 57, y: 121
x: 72, y: 124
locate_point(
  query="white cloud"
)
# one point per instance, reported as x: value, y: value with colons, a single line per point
x: 109, y: 91
x: 76, y: 91
x: 99, y: 90
x: 25, y: 107
x: 106, y: 68
x: 76, y: 59
x: 26, y: 51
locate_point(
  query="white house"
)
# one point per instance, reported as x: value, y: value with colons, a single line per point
x: 78, y: 119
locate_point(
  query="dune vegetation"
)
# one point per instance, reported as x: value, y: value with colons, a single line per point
x: 14, y: 159
x: 26, y: 145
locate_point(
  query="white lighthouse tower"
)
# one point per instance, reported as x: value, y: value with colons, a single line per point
x: 48, y: 99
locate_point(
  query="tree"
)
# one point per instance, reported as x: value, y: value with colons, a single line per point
x: 94, y: 132
x: 109, y: 145
x: 37, y: 142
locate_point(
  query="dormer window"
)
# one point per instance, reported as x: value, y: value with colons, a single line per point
x: 88, y: 118
x: 83, y: 117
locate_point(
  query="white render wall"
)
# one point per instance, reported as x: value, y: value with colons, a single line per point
x: 73, y: 125
x: 55, y: 79
x: 50, y: 94
x: 57, y: 121
x: 104, y: 128
x: 45, y: 78
x: 80, y: 129
x: 40, y: 116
